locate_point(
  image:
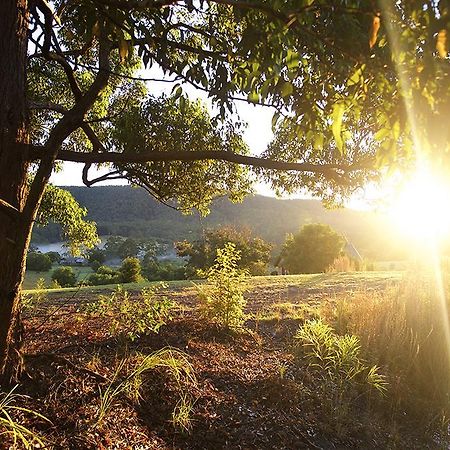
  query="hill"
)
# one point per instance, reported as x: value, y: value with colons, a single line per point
x: 128, y: 211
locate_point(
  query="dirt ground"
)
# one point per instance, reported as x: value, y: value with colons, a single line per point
x: 250, y: 392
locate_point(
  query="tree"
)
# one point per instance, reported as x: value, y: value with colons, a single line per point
x: 130, y: 270
x: 64, y: 276
x: 311, y: 250
x: 76, y: 98
x: 38, y: 262
x: 254, y: 251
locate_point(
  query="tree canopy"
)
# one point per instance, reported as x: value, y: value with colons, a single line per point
x: 312, y: 250
x: 346, y: 80
x: 254, y: 252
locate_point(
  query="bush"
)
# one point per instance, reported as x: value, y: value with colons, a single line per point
x: 132, y: 317
x: 222, y: 299
x: 163, y: 271
x: 55, y: 257
x: 64, y: 276
x: 104, y: 275
x: 130, y: 271
x: 38, y: 262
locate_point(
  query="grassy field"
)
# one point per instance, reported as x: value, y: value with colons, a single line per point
x: 31, y: 277
x: 347, y: 360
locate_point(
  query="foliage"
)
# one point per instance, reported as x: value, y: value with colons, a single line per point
x: 311, y: 250
x: 104, y: 275
x: 132, y: 317
x: 58, y: 205
x: 130, y: 270
x: 222, y: 298
x: 9, y: 427
x: 163, y: 271
x: 342, y: 263
x: 254, y: 251
x: 340, y: 372
x: 55, y: 257
x: 31, y: 301
x: 161, y: 123
x: 96, y: 256
x: 64, y: 276
x: 404, y: 330
x: 336, y: 357
x: 38, y: 262
x: 118, y: 246
x: 130, y: 383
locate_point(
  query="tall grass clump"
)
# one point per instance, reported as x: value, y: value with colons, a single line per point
x: 128, y: 381
x: 405, y: 331
x: 222, y: 299
x: 11, y: 429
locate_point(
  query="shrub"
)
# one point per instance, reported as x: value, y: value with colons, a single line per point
x: 341, y: 374
x: 222, y: 299
x: 163, y: 271
x: 132, y: 317
x: 130, y: 271
x: 104, y: 275
x: 55, y: 257
x: 64, y: 276
x: 39, y: 262
x: 342, y: 264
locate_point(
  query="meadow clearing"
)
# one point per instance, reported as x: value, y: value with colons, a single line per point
x: 356, y: 360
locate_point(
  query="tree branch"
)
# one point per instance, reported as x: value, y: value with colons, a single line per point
x: 9, y: 209
x: 157, y: 156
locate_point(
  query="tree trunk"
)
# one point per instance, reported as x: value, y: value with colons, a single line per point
x: 15, y: 229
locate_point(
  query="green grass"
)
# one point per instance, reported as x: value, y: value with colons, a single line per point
x: 310, y: 281
x: 32, y: 277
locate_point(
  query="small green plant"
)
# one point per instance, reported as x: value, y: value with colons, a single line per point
x: 31, y: 301
x: 10, y: 427
x: 181, y: 415
x: 222, y: 300
x: 130, y: 383
x: 337, y: 357
x: 132, y: 317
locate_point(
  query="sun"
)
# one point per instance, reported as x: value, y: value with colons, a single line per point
x: 420, y: 208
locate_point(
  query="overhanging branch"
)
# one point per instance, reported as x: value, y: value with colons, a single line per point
x: 155, y: 156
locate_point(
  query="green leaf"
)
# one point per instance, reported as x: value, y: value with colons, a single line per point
x: 286, y: 89
x: 337, y: 116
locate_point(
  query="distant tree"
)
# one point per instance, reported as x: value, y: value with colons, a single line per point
x: 312, y: 250
x: 39, y: 262
x: 104, y: 275
x: 55, y: 257
x: 254, y: 251
x: 113, y: 244
x: 129, y: 247
x: 130, y: 271
x: 96, y: 256
x: 64, y: 276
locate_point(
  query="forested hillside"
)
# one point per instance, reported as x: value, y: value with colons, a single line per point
x: 127, y: 211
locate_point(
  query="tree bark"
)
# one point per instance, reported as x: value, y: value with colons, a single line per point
x: 15, y: 230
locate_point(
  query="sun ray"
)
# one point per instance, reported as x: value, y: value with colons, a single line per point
x: 424, y: 192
